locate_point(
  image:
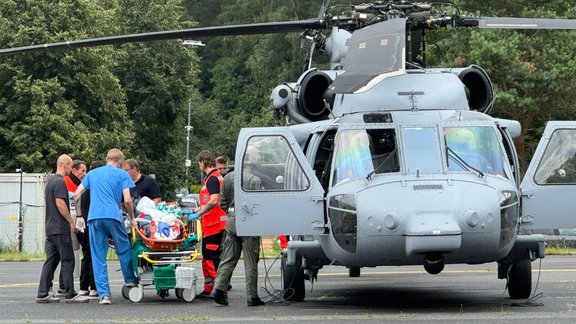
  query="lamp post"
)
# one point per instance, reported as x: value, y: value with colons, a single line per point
x: 188, y: 128
x: 188, y: 162
x: 20, y: 216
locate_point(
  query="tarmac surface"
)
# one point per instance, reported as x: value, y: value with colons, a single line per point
x: 461, y: 293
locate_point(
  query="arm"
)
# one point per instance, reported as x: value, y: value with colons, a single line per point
x: 214, y: 199
x: 63, y: 209
x: 78, y: 200
x: 128, y: 203
x: 227, y: 197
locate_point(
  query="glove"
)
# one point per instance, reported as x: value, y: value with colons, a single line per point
x: 80, y: 224
x: 193, y: 216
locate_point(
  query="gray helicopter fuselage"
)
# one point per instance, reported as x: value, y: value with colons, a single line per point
x: 402, y: 215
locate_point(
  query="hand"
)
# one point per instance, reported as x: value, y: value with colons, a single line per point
x: 193, y: 216
x: 133, y: 223
x: 80, y: 223
x: 73, y: 227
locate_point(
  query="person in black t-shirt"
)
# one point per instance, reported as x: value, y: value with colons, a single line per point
x: 146, y: 186
x: 59, y: 226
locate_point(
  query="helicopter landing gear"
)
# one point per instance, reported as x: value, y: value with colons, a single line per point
x: 520, y: 279
x: 293, y: 280
x: 433, y: 263
x: 353, y: 272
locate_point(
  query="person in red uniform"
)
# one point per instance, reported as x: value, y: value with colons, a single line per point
x: 213, y: 220
x: 76, y: 175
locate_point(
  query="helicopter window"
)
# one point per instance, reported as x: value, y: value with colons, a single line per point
x: 421, y: 150
x: 558, y: 164
x: 269, y: 164
x: 477, y: 147
x: 360, y: 153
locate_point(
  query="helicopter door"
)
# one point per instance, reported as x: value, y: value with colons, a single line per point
x: 276, y: 191
x: 549, y: 186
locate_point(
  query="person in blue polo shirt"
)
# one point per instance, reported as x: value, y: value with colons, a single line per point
x: 108, y: 185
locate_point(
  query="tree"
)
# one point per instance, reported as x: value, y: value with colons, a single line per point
x: 158, y: 78
x: 57, y: 102
x: 531, y: 70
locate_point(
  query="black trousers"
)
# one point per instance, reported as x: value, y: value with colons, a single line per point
x: 58, y: 250
x: 86, y: 273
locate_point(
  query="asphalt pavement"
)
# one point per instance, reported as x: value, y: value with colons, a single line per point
x: 461, y: 293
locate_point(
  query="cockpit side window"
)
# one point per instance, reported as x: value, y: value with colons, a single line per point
x: 269, y: 164
x: 558, y: 164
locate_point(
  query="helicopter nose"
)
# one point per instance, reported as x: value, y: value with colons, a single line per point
x: 432, y: 233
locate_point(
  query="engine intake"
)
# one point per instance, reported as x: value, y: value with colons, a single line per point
x: 478, y: 86
x: 310, y: 105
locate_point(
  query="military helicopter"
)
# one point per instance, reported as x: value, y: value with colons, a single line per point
x: 384, y: 161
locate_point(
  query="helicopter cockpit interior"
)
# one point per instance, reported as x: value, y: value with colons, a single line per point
x: 477, y: 147
x: 361, y: 153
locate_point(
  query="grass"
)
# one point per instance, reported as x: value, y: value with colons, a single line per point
x: 555, y: 250
x: 269, y: 250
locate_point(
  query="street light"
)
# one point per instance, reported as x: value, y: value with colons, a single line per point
x: 188, y: 162
x: 20, y: 216
x: 188, y: 128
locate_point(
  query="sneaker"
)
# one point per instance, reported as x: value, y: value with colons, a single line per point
x: 93, y: 295
x: 83, y: 293
x: 47, y: 299
x: 131, y: 284
x: 60, y: 293
x: 105, y: 300
x: 255, y: 302
x: 76, y: 299
x: 219, y: 297
x: 204, y: 294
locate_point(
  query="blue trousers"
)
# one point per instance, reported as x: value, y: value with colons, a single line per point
x: 100, y: 230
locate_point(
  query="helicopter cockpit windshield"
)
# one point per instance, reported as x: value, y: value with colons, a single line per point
x: 476, y: 146
x: 363, y: 152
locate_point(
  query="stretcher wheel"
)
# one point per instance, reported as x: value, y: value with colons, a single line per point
x: 136, y: 294
x: 125, y: 291
x: 187, y: 295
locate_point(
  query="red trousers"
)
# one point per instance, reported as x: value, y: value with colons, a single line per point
x: 211, y: 250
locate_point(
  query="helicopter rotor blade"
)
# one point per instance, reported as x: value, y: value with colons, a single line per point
x: 324, y: 9
x: 518, y: 23
x: 232, y: 30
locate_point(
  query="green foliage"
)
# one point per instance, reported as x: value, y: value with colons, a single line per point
x: 532, y: 71
x: 136, y: 96
x: 58, y: 102
x: 157, y: 78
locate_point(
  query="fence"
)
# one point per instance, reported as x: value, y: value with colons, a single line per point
x: 30, y: 209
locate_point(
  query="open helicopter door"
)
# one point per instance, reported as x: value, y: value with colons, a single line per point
x: 275, y: 189
x: 549, y: 185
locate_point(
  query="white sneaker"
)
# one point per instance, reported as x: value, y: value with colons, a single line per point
x: 77, y: 299
x: 47, y: 299
x: 105, y: 300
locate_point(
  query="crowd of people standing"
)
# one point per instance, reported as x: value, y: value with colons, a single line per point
x: 100, y: 194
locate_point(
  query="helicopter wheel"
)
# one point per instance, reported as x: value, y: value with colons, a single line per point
x: 520, y: 280
x: 353, y: 272
x: 293, y: 280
